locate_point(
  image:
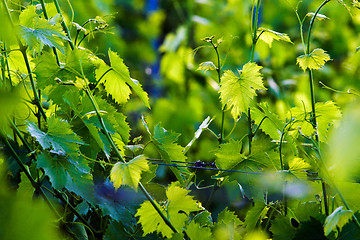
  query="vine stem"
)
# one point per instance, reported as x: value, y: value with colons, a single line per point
x: 254, y: 41
x: 218, y: 70
x: 142, y: 188
x: 63, y: 24
x: 23, y: 48
x: 312, y: 95
x: 311, y: 79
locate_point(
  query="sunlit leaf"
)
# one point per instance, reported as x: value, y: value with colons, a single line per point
x: 229, y: 155
x: 315, y: 60
x: 319, y: 16
x: 236, y: 92
x: 38, y: 32
x: 177, y: 208
x: 123, y: 75
x: 326, y: 115
x: 298, y: 167
x: 338, y: 218
x: 129, y: 173
x: 271, y: 125
x: 268, y: 36
x: 206, y: 66
x: 228, y: 226
x: 196, y: 232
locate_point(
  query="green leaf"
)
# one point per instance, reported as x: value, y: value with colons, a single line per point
x: 315, y: 60
x: 281, y: 228
x: 169, y: 151
x: 177, y: 208
x: 114, y: 84
x: 272, y: 125
x: 206, y: 66
x: 129, y: 173
x: 228, y: 226
x: 38, y: 32
x: 326, y: 115
x: 298, y: 167
x: 338, y: 218
x: 68, y: 172
x: 229, y: 155
x: 255, y: 216
x: 319, y: 16
x: 122, y: 71
x: 268, y: 36
x: 196, y: 232
x: 114, y: 121
x: 203, y: 126
x: 237, y: 92
x: 59, y: 136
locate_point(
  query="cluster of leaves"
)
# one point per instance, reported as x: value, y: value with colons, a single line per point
x: 66, y: 142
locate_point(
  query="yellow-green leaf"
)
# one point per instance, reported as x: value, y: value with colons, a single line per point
x: 337, y: 219
x: 114, y: 84
x: 268, y: 36
x: 177, y: 208
x: 315, y: 60
x: 129, y: 173
x: 207, y: 66
x: 319, y: 16
x: 298, y: 167
x: 236, y: 92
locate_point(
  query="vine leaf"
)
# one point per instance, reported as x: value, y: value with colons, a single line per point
x: 319, y: 16
x: 268, y: 36
x: 336, y: 219
x: 206, y: 66
x: 196, y: 232
x: 69, y: 172
x: 38, y: 32
x: 198, y: 132
x: 129, y: 173
x: 177, y: 208
x: 114, y: 85
x: 272, y: 126
x: 114, y: 82
x: 169, y: 150
x: 229, y: 156
x: 315, y: 60
x: 326, y: 115
x: 255, y: 215
x: 237, y: 92
x: 59, y: 136
x: 282, y: 228
x: 298, y: 167
x: 227, y: 226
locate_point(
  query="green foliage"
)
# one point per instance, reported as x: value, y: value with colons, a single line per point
x: 237, y: 92
x: 268, y: 36
x: 129, y: 173
x: 282, y: 159
x: 177, y: 207
x: 338, y: 218
x: 314, y: 60
x: 37, y: 32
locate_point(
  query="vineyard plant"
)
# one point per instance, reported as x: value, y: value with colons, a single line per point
x: 181, y: 119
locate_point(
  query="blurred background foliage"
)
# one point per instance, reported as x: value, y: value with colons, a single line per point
x: 160, y: 42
